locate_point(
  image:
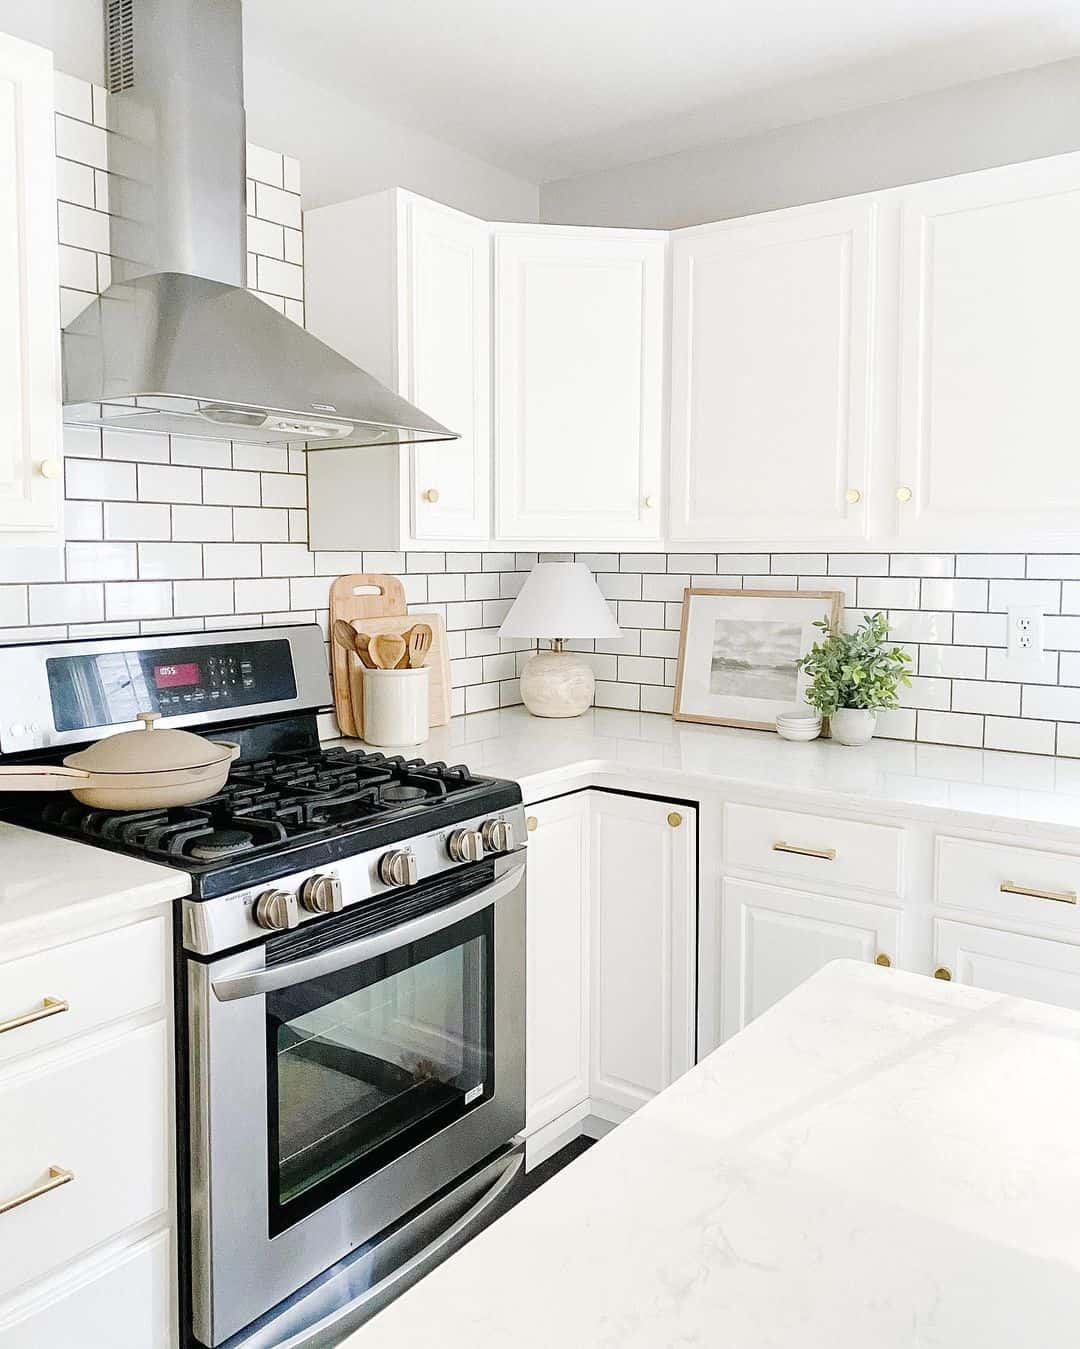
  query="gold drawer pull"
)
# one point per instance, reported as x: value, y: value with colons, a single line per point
x: 57, y: 1176
x: 826, y: 854
x: 942, y: 973
x: 49, y: 1007
x: 883, y: 960
x: 1059, y: 896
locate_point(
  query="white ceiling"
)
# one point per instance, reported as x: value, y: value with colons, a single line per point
x: 554, y: 88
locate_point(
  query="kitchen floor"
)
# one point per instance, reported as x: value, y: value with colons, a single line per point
x: 554, y: 1165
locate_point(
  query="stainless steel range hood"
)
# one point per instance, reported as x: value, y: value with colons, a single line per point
x: 177, y: 343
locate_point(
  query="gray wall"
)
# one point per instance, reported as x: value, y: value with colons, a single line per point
x: 1024, y: 115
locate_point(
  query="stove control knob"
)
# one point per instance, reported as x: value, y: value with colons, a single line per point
x: 466, y: 845
x: 322, y: 894
x: 398, y: 867
x: 277, y: 910
x: 498, y: 835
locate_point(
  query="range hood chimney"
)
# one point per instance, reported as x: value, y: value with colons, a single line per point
x: 177, y: 344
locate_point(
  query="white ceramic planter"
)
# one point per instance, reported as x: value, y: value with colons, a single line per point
x: 396, y: 706
x: 853, y: 725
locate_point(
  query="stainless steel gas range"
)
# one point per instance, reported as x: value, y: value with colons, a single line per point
x: 351, y: 973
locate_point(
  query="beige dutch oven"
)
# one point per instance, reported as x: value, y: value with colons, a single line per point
x: 135, y: 770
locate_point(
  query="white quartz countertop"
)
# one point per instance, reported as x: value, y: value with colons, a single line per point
x: 880, y: 1159
x: 49, y: 884
x: 1024, y: 793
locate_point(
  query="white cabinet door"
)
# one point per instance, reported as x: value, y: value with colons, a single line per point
x: 30, y: 459
x: 774, y: 938
x: 124, y: 1304
x: 771, y: 377
x: 557, y: 961
x: 444, y: 364
x: 990, y: 331
x: 1008, y: 962
x: 643, y: 870
x: 579, y: 351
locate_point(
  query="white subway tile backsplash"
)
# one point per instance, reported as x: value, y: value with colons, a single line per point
x: 81, y: 227
x: 992, y: 565
x: 1041, y: 701
x: 99, y: 479
x: 138, y: 599
x: 893, y: 593
x: 664, y: 586
x: 202, y: 524
x: 98, y: 561
x: 144, y: 446
x: 230, y: 487
x: 950, y: 728
x: 1028, y: 737
x: 284, y: 489
x: 201, y: 452
x: 13, y: 606
x: 983, y: 695
x: 82, y: 520
x: 72, y: 96
x: 169, y: 561
x: 204, y: 598
x: 271, y: 203
x: 1006, y: 593
x: 258, y: 524
x: 66, y: 603
x: 952, y: 662
x: 922, y: 564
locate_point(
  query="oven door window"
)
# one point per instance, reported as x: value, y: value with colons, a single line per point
x: 367, y: 1062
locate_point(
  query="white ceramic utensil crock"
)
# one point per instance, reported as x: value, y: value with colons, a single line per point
x: 133, y: 770
x: 396, y: 706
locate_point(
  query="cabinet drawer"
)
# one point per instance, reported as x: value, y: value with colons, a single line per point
x: 125, y: 1305
x: 99, y: 978
x: 1023, y: 885
x: 103, y: 1116
x: 813, y: 847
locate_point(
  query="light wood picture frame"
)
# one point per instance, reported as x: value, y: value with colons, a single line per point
x: 734, y: 642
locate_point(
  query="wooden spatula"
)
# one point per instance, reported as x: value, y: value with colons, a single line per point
x: 387, y: 650
x: 420, y: 637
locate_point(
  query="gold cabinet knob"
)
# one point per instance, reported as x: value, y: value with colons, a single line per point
x: 942, y: 973
x: 852, y: 496
x: 49, y: 468
x: 674, y: 819
x: 431, y: 495
x: 903, y: 494
x: 650, y: 502
x: 531, y: 823
x: 882, y: 959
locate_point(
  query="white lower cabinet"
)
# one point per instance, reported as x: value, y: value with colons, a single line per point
x: 773, y: 939
x: 1008, y: 962
x: 557, y: 961
x: 611, y: 939
x: 125, y: 1303
x: 642, y: 874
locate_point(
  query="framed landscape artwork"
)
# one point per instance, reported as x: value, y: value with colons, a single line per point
x: 739, y: 653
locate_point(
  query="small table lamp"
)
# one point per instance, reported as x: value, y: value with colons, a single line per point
x: 558, y: 597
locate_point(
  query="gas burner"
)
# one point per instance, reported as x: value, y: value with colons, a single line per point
x: 221, y: 843
x: 402, y: 791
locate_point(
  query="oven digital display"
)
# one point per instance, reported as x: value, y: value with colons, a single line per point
x: 176, y: 676
x: 108, y: 688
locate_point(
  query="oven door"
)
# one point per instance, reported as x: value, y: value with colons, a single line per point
x: 338, y: 1081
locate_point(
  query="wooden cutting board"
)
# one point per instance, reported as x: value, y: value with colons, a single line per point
x: 358, y: 597
x: 438, y: 661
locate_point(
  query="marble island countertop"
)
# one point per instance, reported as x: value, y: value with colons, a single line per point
x: 50, y: 886
x: 1023, y: 793
x: 880, y: 1159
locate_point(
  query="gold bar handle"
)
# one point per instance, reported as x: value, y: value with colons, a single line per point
x: 58, y: 1176
x: 1058, y: 896
x: 49, y: 1007
x: 826, y: 854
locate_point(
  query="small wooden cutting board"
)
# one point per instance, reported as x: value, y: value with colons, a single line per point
x: 360, y: 597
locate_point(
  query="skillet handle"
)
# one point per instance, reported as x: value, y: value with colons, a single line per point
x: 231, y: 746
x: 41, y: 778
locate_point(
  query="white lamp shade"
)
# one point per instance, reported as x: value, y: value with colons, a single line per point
x: 560, y: 599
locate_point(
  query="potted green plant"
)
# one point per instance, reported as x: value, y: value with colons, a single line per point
x: 853, y: 675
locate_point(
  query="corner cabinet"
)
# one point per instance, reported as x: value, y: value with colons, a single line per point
x: 402, y: 287
x: 772, y: 377
x: 30, y: 454
x: 579, y: 380
x: 611, y: 960
x: 990, y: 331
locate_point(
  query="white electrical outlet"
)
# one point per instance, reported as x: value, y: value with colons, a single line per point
x: 1025, y: 625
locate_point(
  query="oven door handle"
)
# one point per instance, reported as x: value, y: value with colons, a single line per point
x: 254, y: 982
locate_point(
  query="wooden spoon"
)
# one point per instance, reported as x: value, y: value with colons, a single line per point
x: 420, y: 637
x: 355, y: 643
x: 387, y: 649
x: 363, y: 648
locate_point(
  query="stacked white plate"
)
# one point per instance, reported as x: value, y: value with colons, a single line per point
x: 799, y: 723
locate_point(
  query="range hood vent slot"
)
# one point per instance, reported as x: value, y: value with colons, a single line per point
x: 119, y: 45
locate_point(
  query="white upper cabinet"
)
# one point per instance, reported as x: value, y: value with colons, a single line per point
x: 402, y: 286
x: 30, y: 455
x: 772, y: 377
x: 579, y: 379
x: 990, y: 335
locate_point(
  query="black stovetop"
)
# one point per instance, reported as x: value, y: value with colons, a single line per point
x: 283, y: 813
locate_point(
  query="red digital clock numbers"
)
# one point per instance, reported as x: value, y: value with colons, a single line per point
x: 176, y: 676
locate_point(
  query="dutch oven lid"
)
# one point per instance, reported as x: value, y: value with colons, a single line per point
x: 149, y: 751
